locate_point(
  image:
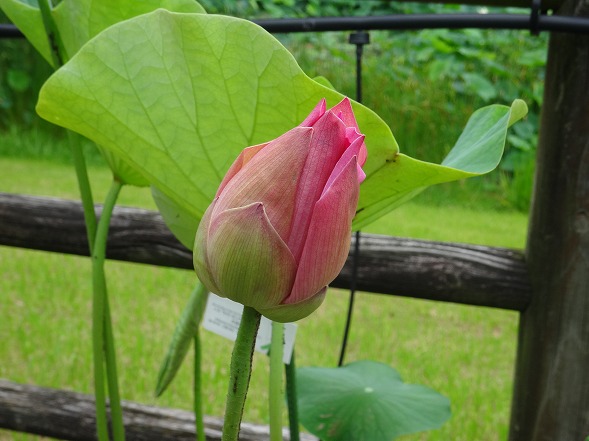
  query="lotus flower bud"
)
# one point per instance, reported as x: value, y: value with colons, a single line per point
x: 278, y: 230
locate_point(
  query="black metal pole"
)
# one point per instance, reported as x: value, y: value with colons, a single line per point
x: 10, y: 31
x: 427, y: 21
x: 359, y: 39
x: 550, y: 23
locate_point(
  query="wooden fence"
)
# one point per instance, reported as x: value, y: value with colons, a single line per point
x: 548, y: 283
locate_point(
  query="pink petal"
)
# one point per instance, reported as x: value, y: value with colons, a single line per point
x: 344, y: 111
x: 350, y: 152
x: 315, y: 114
x: 199, y: 255
x: 361, y: 174
x: 249, y: 261
x: 344, y: 108
x: 271, y: 177
x: 327, y: 146
x: 328, y: 240
x: 352, y: 134
x: 362, y: 155
x: 244, y: 157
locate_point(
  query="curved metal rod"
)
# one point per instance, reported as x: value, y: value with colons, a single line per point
x: 550, y: 23
x: 427, y: 21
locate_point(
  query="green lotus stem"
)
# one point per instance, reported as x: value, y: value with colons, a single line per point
x: 55, y: 43
x: 202, y: 295
x: 101, y: 329
x: 291, y: 398
x: 99, y: 320
x: 240, y: 372
x: 276, y: 391
x: 98, y: 287
x: 102, y: 340
x: 102, y: 336
x: 116, y: 410
x: 84, y: 187
x: 197, y: 380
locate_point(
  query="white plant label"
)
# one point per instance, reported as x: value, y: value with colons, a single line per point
x: 223, y: 316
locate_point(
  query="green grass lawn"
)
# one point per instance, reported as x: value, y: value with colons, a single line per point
x: 466, y: 353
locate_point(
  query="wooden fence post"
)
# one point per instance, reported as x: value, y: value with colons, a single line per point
x: 551, y: 391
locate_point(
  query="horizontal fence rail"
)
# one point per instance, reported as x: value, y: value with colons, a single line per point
x: 70, y: 416
x: 460, y: 273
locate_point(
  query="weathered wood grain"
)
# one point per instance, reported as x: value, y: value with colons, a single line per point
x: 469, y: 274
x: 551, y: 395
x: 69, y: 415
x: 450, y: 272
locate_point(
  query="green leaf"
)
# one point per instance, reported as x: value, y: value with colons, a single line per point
x: 122, y: 171
x: 366, y: 401
x: 80, y: 20
x: 186, y: 328
x: 477, y: 151
x: 179, y: 220
x: 324, y: 82
x: 479, y: 147
x: 178, y: 96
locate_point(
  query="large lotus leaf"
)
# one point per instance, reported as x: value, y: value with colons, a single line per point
x: 123, y: 171
x: 178, y: 96
x: 365, y: 401
x: 80, y: 20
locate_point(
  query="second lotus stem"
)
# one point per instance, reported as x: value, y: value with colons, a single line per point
x: 276, y: 384
x: 102, y: 336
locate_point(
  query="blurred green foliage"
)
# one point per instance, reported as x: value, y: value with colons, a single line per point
x: 22, y: 72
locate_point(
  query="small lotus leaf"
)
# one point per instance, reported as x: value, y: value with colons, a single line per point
x: 366, y: 401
